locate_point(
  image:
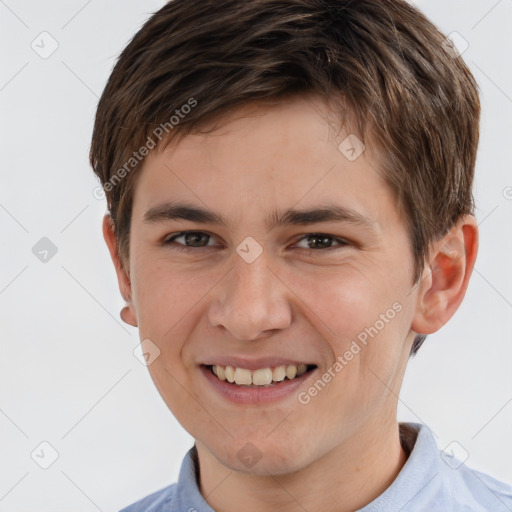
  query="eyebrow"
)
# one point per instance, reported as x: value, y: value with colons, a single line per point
x: 169, y: 211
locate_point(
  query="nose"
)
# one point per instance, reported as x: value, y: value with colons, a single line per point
x: 251, y: 301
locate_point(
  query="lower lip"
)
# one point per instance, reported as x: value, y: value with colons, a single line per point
x: 255, y: 395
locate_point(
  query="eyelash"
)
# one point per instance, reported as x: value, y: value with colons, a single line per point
x: 171, y: 241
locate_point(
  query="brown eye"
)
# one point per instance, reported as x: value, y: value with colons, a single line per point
x: 321, y: 241
x: 190, y: 239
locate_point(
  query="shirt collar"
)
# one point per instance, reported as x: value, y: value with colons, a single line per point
x: 187, y: 496
x: 420, y: 471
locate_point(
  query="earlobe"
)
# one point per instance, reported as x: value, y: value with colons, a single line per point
x: 127, y: 314
x: 446, y: 277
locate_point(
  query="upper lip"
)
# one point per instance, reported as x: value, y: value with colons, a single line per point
x: 254, y: 364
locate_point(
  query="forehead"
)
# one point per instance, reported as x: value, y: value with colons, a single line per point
x: 261, y: 158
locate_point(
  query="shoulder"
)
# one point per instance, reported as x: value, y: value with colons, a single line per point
x: 182, y: 496
x: 154, y: 502
x: 480, y: 491
x: 453, y: 484
x: 432, y: 479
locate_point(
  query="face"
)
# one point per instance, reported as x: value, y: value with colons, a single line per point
x: 303, y: 259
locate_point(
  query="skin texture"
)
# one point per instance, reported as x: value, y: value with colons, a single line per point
x: 340, y: 450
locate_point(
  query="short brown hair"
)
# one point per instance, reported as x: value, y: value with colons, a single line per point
x: 382, y: 59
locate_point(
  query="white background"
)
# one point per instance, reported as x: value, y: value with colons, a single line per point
x: 68, y: 374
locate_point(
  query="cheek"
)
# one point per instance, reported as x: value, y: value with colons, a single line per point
x: 363, y: 316
x: 167, y: 301
x: 345, y: 300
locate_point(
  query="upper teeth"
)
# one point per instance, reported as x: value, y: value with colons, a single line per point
x: 260, y: 377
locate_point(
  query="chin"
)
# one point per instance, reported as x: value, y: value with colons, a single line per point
x: 261, y: 458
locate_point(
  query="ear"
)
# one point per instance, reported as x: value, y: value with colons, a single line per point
x: 128, y: 313
x: 446, y: 277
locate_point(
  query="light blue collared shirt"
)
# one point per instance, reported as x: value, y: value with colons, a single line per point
x: 430, y: 481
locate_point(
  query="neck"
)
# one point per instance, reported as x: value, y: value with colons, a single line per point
x: 347, y: 478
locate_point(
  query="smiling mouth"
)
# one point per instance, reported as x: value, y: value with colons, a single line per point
x: 262, y: 377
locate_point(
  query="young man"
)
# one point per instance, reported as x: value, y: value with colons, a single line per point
x: 290, y: 214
